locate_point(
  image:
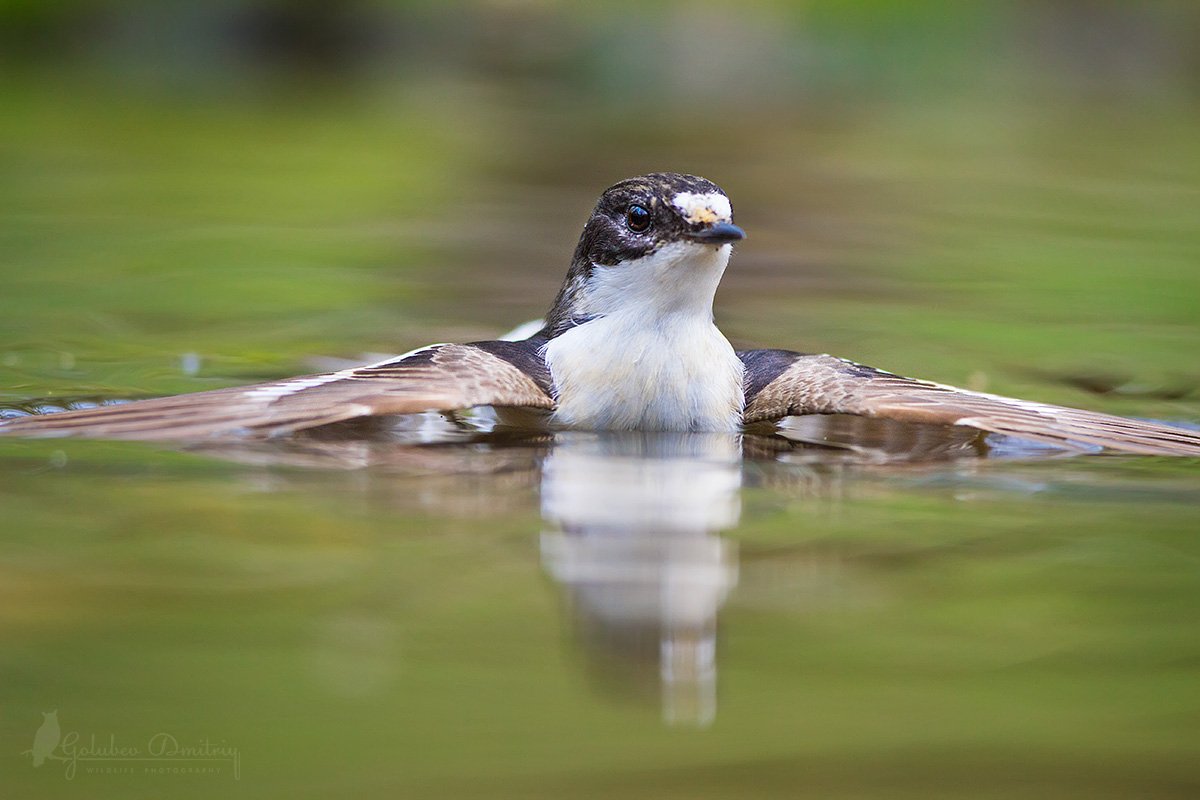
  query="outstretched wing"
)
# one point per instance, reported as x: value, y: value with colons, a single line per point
x: 436, y: 378
x: 781, y: 383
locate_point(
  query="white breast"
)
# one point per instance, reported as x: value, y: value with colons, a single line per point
x: 652, y: 359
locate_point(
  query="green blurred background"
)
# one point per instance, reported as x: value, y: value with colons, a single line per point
x: 1003, y: 195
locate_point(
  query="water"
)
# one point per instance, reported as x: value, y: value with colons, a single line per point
x: 599, y: 614
x: 492, y: 614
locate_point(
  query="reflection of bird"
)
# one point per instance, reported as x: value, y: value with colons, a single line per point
x: 629, y: 345
x: 638, y: 556
x: 45, y: 741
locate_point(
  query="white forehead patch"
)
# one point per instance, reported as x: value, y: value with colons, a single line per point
x: 703, y: 208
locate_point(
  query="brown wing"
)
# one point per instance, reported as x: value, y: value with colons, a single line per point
x: 436, y: 378
x: 780, y: 383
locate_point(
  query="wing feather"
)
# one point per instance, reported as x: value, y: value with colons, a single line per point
x: 787, y: 384
x: 437, y: 378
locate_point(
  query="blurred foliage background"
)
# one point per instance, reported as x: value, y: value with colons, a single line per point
x: 258, y: 182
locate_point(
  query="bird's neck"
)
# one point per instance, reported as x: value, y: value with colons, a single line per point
x: 674, y: 285
x: 679, y: 280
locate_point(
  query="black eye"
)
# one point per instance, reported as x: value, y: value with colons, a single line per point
x: 637, y: 218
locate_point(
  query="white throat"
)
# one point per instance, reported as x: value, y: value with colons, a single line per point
x: 679, y: 278
x: 651, y: 357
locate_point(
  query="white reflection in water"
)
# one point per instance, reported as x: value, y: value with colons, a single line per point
x: 636, y: 548
x: 632, y: 519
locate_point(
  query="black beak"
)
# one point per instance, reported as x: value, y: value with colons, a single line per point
x: 719, y: 233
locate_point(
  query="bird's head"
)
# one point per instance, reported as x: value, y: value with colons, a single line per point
x: 640, y: 217
x: 656, y: 243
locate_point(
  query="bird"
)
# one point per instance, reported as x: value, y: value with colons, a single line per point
x: 630, y: 343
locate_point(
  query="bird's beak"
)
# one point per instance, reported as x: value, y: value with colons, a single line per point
x: 717, y: 233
